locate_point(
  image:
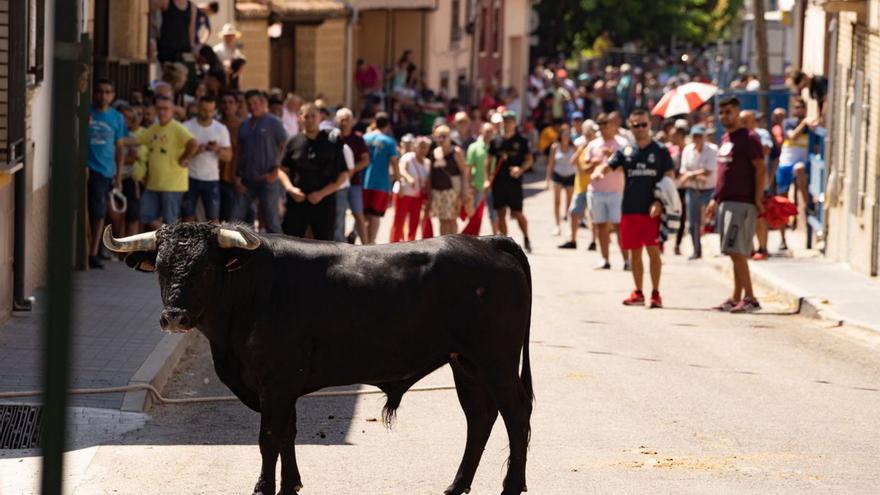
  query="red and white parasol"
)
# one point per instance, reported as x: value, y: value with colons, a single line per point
x: 684, y: 99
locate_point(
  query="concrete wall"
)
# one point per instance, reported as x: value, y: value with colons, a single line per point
x: 443, y: 55
x: 514, y: 63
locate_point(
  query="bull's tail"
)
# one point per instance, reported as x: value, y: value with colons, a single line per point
x: 510, y: 247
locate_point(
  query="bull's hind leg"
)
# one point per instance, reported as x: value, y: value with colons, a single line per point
x: 516, y: 410
x: 481, y: 412
x: 277, y: 436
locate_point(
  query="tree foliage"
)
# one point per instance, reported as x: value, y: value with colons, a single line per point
x: 568, y: 26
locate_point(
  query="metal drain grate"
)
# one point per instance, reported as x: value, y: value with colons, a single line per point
x: 20, y: 427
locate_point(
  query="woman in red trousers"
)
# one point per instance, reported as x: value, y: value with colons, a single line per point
x: 409, y: 192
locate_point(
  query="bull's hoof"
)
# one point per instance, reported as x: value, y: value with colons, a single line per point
x: 454, y: 489
x: 264, y: 487
x: 291, y: 491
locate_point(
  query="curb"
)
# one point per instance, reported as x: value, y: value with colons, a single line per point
x: 156, y: 370
x: 803, y: 302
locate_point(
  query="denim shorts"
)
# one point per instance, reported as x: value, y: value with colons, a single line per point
x: 605, y: 207
x: 132, y: 191
x: 206, y: 190
x: 98, y: 189
x: 356, y: 199
x: 578, y: 204
x: 160, y: 204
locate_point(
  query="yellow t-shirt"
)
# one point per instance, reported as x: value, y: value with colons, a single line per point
x: 548, y: 137
x: 166, y: 144
x: 139, y: 169
x: 582, y: 179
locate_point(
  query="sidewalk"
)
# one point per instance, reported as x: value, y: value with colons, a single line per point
x: 116, y: 340
x: 821, y: 288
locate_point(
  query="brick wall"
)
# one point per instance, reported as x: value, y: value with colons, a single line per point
x: 330, y: 60
x: 255, y: 46
x: 305, y: 44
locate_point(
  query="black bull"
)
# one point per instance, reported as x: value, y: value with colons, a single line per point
x: 286, y: 317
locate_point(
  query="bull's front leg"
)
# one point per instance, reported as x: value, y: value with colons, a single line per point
x: 290, y: 478
x: 276, y: 434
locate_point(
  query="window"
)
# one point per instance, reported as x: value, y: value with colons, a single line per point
x: 455, y: 35
x: 35, y: 40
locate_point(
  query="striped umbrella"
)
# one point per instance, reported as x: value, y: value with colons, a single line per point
x: 684, y: 99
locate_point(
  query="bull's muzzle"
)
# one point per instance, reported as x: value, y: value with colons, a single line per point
x: 175, y: 321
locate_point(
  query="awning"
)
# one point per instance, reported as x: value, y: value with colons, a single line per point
x: 310, y: 9
x: 394, y: 4
x: 858, y: 6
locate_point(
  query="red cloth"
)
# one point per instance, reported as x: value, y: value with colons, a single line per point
x: 638, y: 231
x: 427, y: 227
x: 778, y: 210
x: 473, y: 226
x: 407, y: 209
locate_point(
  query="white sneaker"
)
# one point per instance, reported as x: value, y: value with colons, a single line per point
x: 556, y: 231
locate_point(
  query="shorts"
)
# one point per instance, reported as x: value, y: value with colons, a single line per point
x: 99, y: 188
x: 132, y: 192
x: 578, y: 204
x: 445, y: 204
x: 736, y: 223
x: 321, y: 217
x: 785, y: 176
x: 507, y: 195
x: 564, y: 181
x: 206, y: 190
x: 605, y: 207
x: 356, y: 199
x: 638, y: 231
x: 163, y: 205
x: 375, y: 202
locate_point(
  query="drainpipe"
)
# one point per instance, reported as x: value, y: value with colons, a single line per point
x: 20, y: 302
x: 831, y: 168
x: 352, y: 19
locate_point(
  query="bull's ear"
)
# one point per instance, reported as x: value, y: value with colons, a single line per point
x: 142, y: 261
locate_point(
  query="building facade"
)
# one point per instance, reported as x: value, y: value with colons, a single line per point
x: 450, y: 33
x: 852, y: 197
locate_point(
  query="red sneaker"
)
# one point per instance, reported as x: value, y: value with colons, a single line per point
x: 760, y: 255
x: 656, y: 301
x: 635, y: 299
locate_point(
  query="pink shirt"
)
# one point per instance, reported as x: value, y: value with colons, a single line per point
x: 613, y: 180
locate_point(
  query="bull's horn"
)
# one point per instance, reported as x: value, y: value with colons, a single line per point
x: 139, y: 242
x: 228, y: 238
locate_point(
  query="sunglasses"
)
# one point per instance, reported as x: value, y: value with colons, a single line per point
x: 639, y: 126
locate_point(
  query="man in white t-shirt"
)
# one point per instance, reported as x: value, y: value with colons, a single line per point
x: 204, y: 168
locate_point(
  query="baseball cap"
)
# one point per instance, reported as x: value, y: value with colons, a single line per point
x: 508, y: 114
x: 496, y: 118
x: 681, y: 124
x: 577, y: 116
x: 698, y: 129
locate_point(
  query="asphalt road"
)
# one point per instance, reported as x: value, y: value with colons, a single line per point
x: 680, y: 400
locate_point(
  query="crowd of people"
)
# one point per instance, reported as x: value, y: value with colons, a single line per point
x: 197, y: 148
